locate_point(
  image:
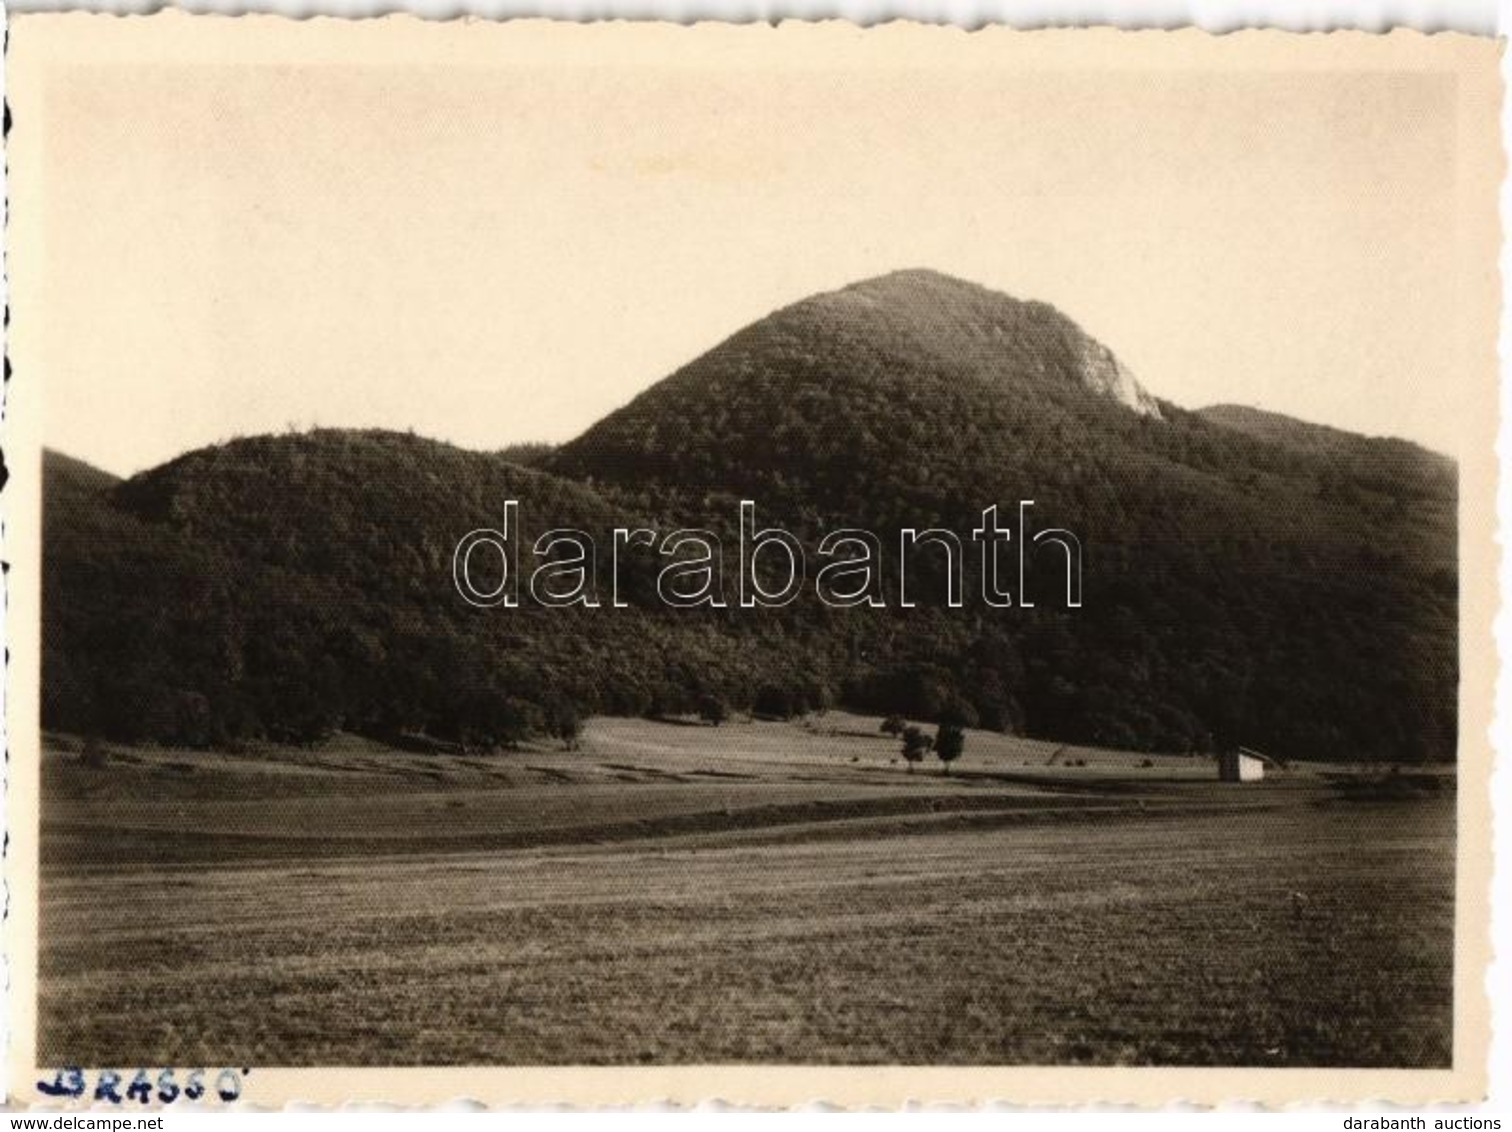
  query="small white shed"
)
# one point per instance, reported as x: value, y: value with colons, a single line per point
x: 1241, y: 765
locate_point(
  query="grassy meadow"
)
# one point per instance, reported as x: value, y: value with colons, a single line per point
x: 759, y: 892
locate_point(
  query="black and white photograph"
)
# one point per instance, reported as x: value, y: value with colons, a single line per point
x: 641, y: 548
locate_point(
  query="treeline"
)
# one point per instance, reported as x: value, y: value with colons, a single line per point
x: 288, y: 587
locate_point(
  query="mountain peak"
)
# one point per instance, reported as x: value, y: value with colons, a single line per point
x: 997, y: 336
x: 816, y: 384
x: 907, y: 280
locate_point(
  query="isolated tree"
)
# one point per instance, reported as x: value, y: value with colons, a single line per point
x: 93, y: 754
x: 821, y: 697
x: 916, y: 745
x: 566, y: 724
x: 893, y: 725
x: 949, y: 742
x: 713, y: 710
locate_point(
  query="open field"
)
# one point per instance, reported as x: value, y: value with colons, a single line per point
x: 758, y: 892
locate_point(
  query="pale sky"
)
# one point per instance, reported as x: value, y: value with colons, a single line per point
x: 507, y: 251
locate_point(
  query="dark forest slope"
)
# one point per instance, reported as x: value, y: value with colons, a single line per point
x: 1245, y: 579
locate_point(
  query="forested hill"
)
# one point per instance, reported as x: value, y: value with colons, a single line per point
x: 1396, y: 466
x: 1248, y: 578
